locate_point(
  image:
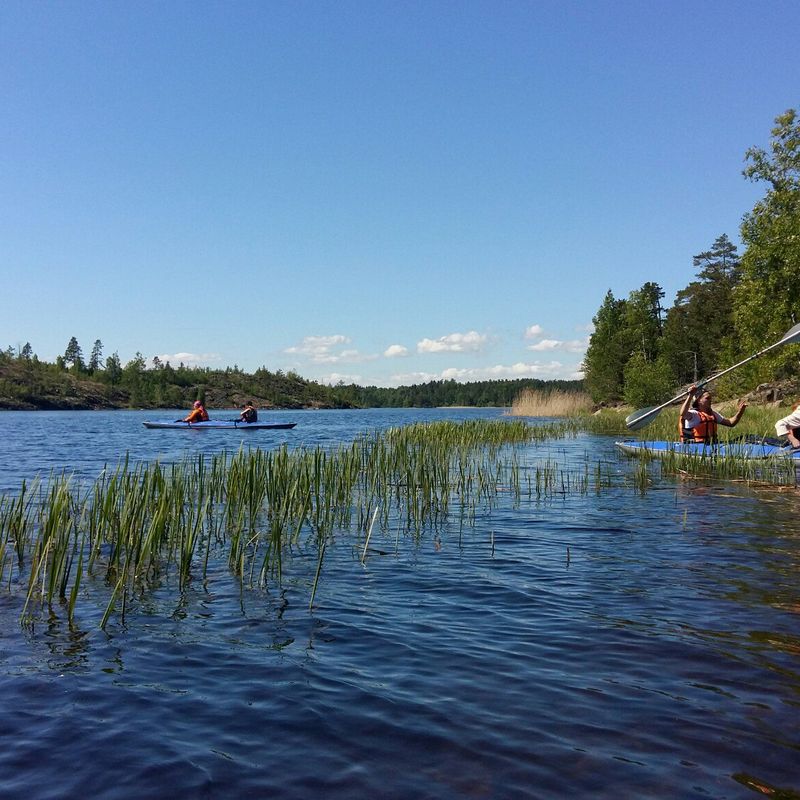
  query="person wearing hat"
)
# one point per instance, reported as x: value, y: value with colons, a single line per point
x: 197, y: 414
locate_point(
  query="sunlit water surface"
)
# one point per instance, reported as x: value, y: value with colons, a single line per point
x: 604, y: 645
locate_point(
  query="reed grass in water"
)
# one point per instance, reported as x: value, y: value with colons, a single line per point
x: 136, y: 523
x: 555, y: 403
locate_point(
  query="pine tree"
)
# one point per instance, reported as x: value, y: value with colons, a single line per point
x: 96, y: 356
x: 73, y: 355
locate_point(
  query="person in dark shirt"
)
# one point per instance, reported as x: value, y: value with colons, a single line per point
x: 249, y: 413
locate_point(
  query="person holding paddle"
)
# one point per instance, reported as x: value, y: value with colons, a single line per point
x: 197, y: 414
x: 249, y: 413
x: 698, y: 423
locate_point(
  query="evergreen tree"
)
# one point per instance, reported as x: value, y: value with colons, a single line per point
x: 96, y: 356
x: 73, y: 355
x: 698, y: 324
x: 765, y: 301
x: 605, y: 357
x: 113, y: 369
x: 642, y: 321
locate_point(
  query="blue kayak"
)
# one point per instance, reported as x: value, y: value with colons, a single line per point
x: 223, y: 424
x: 754, y: 451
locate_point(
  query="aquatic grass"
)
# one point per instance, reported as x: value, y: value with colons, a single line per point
x: 255, y: 509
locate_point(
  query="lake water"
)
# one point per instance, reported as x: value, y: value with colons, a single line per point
x: 611, y: 645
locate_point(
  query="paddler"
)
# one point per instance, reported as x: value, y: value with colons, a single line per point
x: 699, y: 423
x: 197, y: 414
x: 249, y: 413
x: 789, y: 427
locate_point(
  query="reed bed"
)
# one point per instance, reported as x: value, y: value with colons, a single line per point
x: 555, y: 403
x: 137, y: 523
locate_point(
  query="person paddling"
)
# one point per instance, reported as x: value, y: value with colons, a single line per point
x: 249, y: 413
x: 789, y: 427
x: 197, y: 414
x: 699, y: 423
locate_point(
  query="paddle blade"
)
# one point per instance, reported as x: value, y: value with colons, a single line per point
x: 642, y: 417
x: 792, y: 335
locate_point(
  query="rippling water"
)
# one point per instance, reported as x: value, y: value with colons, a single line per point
x: 610, y: 645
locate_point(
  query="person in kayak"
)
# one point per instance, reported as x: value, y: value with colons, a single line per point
x: 197, y: 414
x: 699, y: 423
x: 789, y: 427
x: 249, y: 413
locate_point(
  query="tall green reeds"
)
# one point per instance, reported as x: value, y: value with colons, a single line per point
x: 138, y: 523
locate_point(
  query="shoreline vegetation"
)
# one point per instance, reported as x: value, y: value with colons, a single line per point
x: 28, y: 384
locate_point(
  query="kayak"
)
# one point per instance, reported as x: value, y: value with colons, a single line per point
x: 750, y: 451
x: 223, y: 424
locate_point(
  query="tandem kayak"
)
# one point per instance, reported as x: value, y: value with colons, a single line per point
x: 750, y: 451
x: 223, y: 424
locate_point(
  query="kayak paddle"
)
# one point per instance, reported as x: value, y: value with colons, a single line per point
x: 644, y: 416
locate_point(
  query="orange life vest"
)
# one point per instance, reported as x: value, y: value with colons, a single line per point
x: 197, y: 415
x: 704, y: 431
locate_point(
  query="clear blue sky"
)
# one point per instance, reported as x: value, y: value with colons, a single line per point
x: 383, y: 192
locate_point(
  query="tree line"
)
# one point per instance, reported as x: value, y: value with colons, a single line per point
x: 738, y: 304
x: 74, y: 382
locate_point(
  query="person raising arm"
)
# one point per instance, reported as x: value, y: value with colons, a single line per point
x: 699, y: 422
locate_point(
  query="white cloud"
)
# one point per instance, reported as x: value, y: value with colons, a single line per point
x: 551, y: 369
x: 334, y: 377
x: 546, y: 344
x: 395, y: 351
x: 571, y: 346
x: 407, y: 378
x: 471, y: 342
x: 190, y: 359
x: 321, y: 350
x: 576, y: 345
x: 533, y: 331
x: 317, y: 348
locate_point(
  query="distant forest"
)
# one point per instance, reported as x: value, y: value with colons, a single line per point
x: 73, y: 382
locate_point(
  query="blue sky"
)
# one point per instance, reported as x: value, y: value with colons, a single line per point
x: 378, y: 192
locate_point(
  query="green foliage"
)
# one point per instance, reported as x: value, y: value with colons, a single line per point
x: 622, y: 328
x: 73, y: 355
x: 735, y: 308
x: 648, y: 382
x: 35, y: 384
x: 605, y: 357
x: 766, y: 300
x: 96, y: 356
x: 447, y: 393
x: 697, y: 326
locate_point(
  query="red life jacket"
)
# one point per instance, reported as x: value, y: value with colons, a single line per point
x: 704, y: 431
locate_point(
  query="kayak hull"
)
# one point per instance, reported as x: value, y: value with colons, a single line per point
x: 751, y: 451
x: 222, y: 424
